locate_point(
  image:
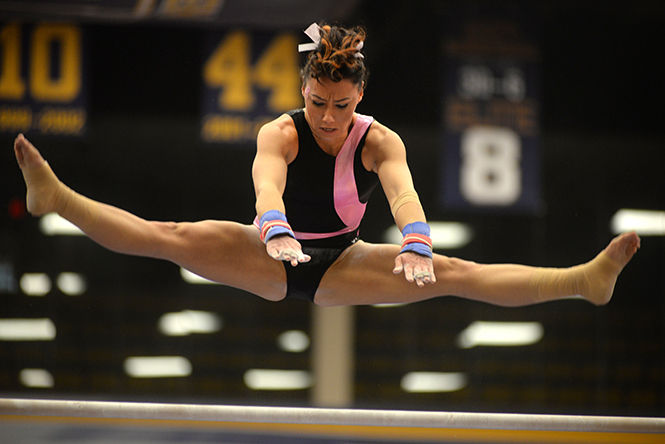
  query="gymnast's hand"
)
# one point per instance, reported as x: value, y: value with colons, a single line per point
x: 286, y: 248
x: 416, y: 268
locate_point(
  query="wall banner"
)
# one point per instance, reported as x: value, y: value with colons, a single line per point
x: 42, y: 79
x: 491, y: 149
x: 249, y: 78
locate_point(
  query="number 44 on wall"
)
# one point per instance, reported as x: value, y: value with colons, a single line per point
x: 230, y: 70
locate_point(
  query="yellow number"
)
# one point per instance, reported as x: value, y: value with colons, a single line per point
x: 15, y: 119
x: 228, y: 68
x: 277, y: 69
x: 67, y: 84
x: 62, y: 120
x: 11, y: 84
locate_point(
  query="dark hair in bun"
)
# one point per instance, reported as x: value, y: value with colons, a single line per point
x: 337, y: 56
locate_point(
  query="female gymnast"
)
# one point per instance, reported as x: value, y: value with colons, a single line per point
x: 317, y: 166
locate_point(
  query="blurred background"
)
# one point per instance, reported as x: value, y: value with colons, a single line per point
x: 534, y: 133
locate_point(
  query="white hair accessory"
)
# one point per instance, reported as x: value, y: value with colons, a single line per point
x: 359, y: 46
x: 313, y: 31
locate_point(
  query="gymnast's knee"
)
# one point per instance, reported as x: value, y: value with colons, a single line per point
x: 168, y: 237
x: 180, y: 239
x: 453, y: 266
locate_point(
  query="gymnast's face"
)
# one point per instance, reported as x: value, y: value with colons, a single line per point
x: 329, y: 108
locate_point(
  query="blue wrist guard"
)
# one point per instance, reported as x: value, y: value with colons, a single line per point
x: 416, y: 239
x: 273, y: 223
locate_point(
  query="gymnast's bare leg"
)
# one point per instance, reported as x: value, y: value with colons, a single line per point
x: 225, y: 252
x: 362, y: 275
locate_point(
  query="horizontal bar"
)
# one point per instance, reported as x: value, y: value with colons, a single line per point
x: 298, y: 415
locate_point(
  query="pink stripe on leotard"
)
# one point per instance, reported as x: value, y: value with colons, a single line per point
x: 310, y: 236
x: 347, y: 204
x: 345, y: 191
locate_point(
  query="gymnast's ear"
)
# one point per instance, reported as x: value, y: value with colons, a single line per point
x: 361, y: 91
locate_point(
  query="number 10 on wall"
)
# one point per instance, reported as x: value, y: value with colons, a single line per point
x: 41, y: 78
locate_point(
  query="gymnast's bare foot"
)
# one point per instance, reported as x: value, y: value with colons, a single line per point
x: 44, y: 190
x: 602, y: 272
x: 623, y: 247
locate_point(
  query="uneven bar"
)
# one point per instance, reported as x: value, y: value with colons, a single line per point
x: 294, y: 415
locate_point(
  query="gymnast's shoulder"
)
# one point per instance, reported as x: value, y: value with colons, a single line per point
x: 382, y: 141
x: 280, y: 134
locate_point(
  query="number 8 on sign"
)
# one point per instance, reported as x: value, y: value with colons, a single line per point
x: 490, y: 173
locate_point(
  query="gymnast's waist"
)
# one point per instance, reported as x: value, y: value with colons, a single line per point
x: 338, y: 241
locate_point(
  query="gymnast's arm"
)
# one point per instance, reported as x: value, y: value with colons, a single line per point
x: 269, y: 168
x: 274, y: 149
x: 388, y: 156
